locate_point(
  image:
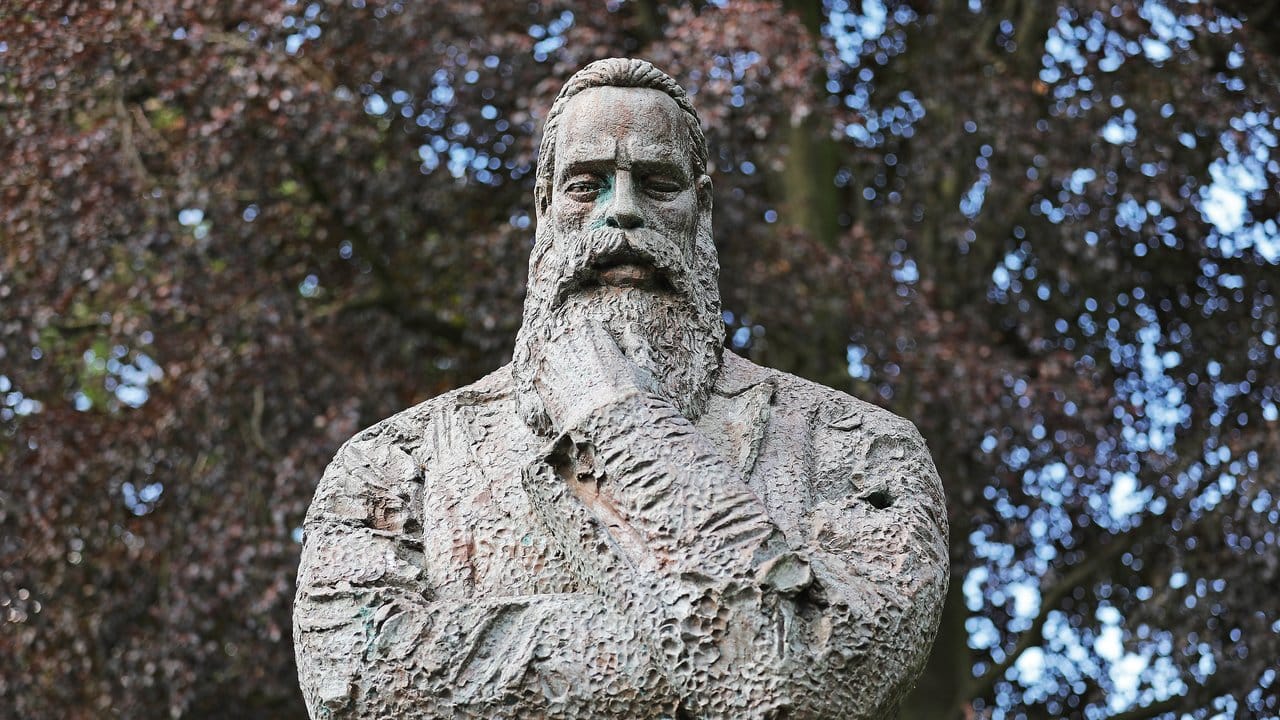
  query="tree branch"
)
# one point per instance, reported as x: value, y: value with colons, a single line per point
x: 1050, y: 600
x: 1195, y: 697
x: 1082, y: 572
x: 1154, y: 710
x: 411, y: 318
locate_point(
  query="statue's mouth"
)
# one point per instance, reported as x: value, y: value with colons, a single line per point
x: 625, y: 268
x: 629, y: 274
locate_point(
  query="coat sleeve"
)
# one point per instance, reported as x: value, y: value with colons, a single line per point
x: 373, y: 640
x: 746, y: 620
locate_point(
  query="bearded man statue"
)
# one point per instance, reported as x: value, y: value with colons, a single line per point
x: 628, y: 521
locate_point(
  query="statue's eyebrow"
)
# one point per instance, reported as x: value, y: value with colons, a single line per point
x: 598, y: 166
x: 606, y: 166
x: 678, y: 167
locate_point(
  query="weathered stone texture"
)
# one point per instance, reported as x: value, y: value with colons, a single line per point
x: 627, y: 522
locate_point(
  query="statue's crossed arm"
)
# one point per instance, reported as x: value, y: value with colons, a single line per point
x: 743, y: 620
x: 703, y: 606
x: 374, y: 640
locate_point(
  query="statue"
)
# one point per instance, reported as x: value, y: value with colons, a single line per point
x: 627, y: 521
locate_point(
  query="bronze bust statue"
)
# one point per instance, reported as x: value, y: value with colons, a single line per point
x: 627, y: 521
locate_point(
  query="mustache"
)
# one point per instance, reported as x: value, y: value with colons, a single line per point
x: 592, y: 252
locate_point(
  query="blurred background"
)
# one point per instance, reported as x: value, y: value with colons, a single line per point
x: 234, y: 233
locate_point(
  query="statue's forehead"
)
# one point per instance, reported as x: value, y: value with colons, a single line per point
x: 643, y: 122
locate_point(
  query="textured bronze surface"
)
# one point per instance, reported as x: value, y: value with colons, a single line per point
x: 627, y: 521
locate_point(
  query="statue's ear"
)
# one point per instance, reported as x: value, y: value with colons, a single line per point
x: 704, y: 193
x: 541, y: 198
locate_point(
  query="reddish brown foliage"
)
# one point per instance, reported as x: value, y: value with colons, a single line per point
x: 233, y: 233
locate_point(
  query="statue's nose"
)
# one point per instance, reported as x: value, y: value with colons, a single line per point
x: 623, y: 211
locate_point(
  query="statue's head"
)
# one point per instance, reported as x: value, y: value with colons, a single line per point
x: 624, y: 232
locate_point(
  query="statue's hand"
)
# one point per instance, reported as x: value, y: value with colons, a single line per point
x: 583, y: 369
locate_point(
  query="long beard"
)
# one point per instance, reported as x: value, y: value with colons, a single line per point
x: 675, y: 335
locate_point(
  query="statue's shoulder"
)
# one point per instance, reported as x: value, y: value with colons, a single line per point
x: 394, y: 447
x: 841, y: 435
x: 795, y: 396
x: 408, y: 427
x: 854, y: 451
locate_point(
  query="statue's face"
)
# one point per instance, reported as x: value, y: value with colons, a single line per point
x: 624, y: 242
x: 623, y: 161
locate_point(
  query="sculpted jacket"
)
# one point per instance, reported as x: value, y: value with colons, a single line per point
x: 785, y: 557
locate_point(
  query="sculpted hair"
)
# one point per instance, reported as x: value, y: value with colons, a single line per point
x: 619, y: 72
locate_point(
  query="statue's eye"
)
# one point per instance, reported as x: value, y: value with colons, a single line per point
x: 584, y: 186
x: 661, y: 184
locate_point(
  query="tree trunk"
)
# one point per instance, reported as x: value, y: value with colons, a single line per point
x: 810, y: 202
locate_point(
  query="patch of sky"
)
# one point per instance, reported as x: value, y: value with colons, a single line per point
x: 1079, y: 178
x: 550, y: 37
x: 1001, y: 555
x: 1072, y: 40
x: 194, y: 218
x: 1067, y: 658
x: 140, y: 499
x: 859, y: 134
x: 460, y: 158
x: 906, y: 273
x: 742, y: 62
x: 974, y: 597
x: 971, y: 201
x: 1130, y: 214
x: 1161, y: 401
x: 310, y: 286
x: 1026, y: 599
x: 850, y: 31
x: 1222, y: 202
x: 1124, y: 499
x: 1030, y: 666
x: 13, y: 403
x: 1156, y: 50
x: 1242, y: 174
x: 1062, y: 48
x: 430, y: 158
x: 983, y: 634
x: 1125, y: 668
x: 1165, y: 25
x: 856, y: 359
x: 305, y: 27
x: 1120, y: 129
x: 1051, y: 484
x: 127, y: 376
x: 189, y: 217
x: 1005, y: 276
x: 375, y: 105
x: 863, y: 39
